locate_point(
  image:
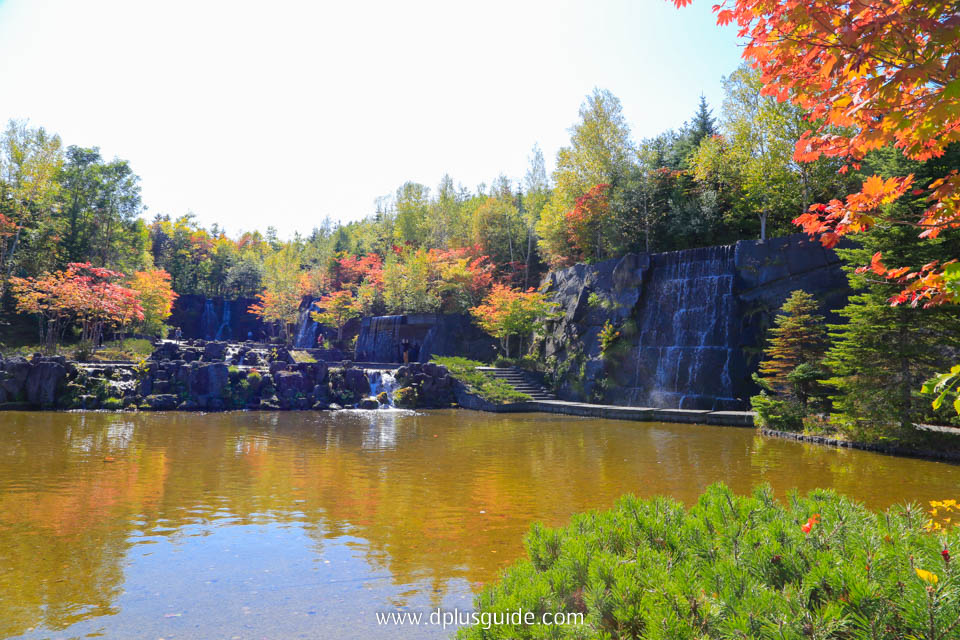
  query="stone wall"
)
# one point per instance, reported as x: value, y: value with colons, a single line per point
x: 691, y: 323
x: 205, y: 318
x: 36, y: 382
x: 216, y: 376
x: 432, y: 334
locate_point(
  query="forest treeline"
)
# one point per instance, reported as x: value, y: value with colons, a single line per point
x: 716, y: 179
x: 77, y: 251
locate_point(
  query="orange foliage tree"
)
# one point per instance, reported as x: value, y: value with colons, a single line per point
x: 871, y: 73
x: 507, y: 313
x: 80, y: 293
x: 281, y: 306
x: 336, y: 310
x: 585, y: 221
x: 156, y: 297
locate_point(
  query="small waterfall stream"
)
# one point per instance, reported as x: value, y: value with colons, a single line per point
x: 307, y: 328
x: 382, y: 382
x: 208, y: 322
x: 224, y: 332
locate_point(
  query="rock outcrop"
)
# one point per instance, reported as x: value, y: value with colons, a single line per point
x: 686, y: 326
x: 38, y: 382
x: 429, y: 335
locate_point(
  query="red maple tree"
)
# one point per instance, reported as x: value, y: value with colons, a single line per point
x: 871, y: 73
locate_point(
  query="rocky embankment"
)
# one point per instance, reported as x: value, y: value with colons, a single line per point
x: 678, y: 330
x: 217, y: 376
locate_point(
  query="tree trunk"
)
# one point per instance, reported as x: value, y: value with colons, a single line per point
x: 526, y: 274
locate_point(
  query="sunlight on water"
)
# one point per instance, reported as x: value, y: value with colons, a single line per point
x: 255, y: 525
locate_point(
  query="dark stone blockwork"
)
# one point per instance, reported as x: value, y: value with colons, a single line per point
x: 699, y: 318
x: 430, y: 334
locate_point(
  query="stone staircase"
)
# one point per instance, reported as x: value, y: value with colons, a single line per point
x: 521, y: 381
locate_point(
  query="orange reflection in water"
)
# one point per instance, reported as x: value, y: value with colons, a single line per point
x: 433, y: 498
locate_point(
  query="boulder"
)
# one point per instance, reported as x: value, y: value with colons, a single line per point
x: 161, y: 402
x: 369, y: 403
x: 405, y: 398
x: 14, y: 375
x: 290, y: 383
x: 214, y: 351
x: 44, y: 381
x: 355, y: 381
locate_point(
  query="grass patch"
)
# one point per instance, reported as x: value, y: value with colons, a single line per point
x: 820, y: 566
x: 302, y: 357
x: 480, y: 382
x: 132, y: 349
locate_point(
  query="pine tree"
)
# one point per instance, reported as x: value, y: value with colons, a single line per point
x: 798, y: 340
x: 881, y: 355
x: 704, y: 125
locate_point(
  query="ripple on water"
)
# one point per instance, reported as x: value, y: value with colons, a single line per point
x: 287, y: 523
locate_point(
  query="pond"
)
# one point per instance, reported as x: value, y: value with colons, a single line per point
x: 306, y: 525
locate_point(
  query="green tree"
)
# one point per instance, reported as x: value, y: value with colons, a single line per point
x: 535, y: 196
x: 882, y: 355
x: 412, y: 218
x: 30, y: 160
x: 600, y: 152
x: 798, y: 338
x: 754, y: 165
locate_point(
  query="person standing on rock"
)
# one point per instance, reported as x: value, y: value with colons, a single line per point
x: 177, y: 335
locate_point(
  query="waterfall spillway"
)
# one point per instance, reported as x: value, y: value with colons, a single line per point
x: 686, y: 328
x: 224, y: 330
x: 307, y: 328
x: 208, y: 322
x: 379, y: 339
x: 382, y: 382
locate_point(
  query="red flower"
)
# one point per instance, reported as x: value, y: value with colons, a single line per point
x: 812, y: 520
x: 946, y: 555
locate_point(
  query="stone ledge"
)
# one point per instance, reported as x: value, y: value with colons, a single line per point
x: 864, y: 446
x: 615, y: 412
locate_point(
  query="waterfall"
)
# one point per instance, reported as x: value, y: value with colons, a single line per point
x: 686, y: 329
x: 225, y: 322
x: 208, y: 322
x: 382, y: 382
x: 307, y: 327
x: 379, y: 339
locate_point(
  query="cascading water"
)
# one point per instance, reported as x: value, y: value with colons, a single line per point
x: 379, y: 339
x: 307, y: 327
x: 208, y: 322
x: 224, y: 330
x: 686, y: 329
x: 382, y: 382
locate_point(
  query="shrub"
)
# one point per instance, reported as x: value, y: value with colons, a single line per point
x: 779, y: 415
x: 480, y: 382
x: 405, y: 397
x: 113, y: 404
x: 608, y: 336
x: 820, y: 566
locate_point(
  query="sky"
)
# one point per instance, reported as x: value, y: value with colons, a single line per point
x: 256, y: 114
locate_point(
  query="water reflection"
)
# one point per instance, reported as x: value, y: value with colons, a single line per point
x: 110, y: 522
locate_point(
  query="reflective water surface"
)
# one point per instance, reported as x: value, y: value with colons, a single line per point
x: 304, y: 525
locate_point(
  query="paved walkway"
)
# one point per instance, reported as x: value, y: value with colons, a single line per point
x: 641, y: 414
x: 547, y: 403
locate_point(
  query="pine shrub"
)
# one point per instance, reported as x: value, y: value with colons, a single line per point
x: 820, y: 566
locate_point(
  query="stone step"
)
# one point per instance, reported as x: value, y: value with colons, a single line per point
x: 521, y: 382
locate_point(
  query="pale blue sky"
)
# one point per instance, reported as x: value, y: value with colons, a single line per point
x: 278, y: 113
